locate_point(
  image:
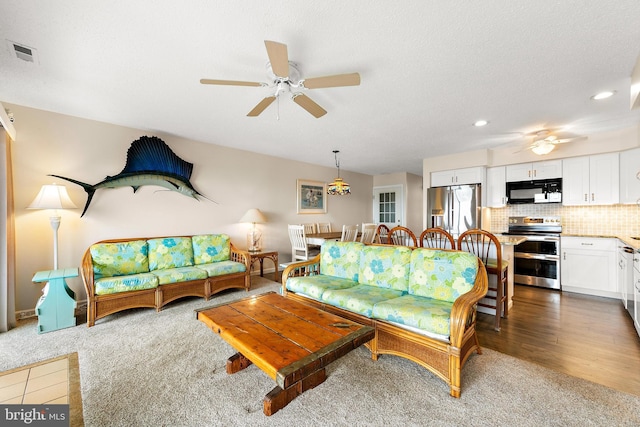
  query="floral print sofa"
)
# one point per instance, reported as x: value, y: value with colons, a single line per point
x: 421, y: 301
x: 151, y: 272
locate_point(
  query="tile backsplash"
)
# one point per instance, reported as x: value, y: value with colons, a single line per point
x: 614, y: 220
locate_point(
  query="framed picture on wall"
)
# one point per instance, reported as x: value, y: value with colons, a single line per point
x: 312, y: 196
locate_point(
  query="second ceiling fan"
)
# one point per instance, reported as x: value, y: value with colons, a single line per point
x: 285, y: 77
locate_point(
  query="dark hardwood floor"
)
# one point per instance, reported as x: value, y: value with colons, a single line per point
x: 580, y: 335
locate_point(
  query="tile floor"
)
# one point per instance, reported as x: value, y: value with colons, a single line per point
x: 47, y: 383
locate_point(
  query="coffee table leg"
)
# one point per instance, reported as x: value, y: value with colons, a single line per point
x: 236, y: 363
x: 278, y: 398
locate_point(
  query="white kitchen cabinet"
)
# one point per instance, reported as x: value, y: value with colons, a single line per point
x: 536, y: 170
x: 496, y: 187
x: 474, y: 175
x: 629, y: 182
x: 588, y: 266
x: 591, y: 180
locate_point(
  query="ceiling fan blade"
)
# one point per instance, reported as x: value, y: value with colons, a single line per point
x: 352, y: 79
x: 229, y: 82
x: 308, y: 104
x: 278, y: 57
x: 262, y: 105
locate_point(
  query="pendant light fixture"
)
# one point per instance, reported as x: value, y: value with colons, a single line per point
x: 338, y: 187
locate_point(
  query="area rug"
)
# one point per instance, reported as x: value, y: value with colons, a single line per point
x: 73, y: 392
x: 144, y: 368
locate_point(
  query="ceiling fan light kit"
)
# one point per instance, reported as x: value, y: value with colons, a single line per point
x: 543, y: 147
x: 285, y: 76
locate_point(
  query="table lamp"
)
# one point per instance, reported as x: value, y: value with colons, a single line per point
x: 254, y: 236
x: 53, y: 197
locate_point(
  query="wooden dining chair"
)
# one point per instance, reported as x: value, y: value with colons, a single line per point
x: 382, y: 234
x: 436, y: 238
x: 300, y: 250
x: 349, y: 233
x: 487, y: 247
x: 402, y: 236
x: 323, y: 227
x: 368, y: 233
x: 309, y: 228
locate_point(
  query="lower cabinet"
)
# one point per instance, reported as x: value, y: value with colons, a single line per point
x: 588, y: 266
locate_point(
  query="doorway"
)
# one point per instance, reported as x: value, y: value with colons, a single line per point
x: 388, y: 205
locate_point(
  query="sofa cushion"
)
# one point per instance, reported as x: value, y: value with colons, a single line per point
x: 221, y: 268
x: 180, y: 274
x: 119, y: 259
x: 425, y: 314
x: 360, y: 298
x: 170, y: 252
x: 314, y: 286
x: 385, y: 267
x: 341, y: 259
x: 133, y: 282
x: 442, y: 275
x: 209, y: 248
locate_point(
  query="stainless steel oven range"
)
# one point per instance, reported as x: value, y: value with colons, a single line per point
x: 537, y: 260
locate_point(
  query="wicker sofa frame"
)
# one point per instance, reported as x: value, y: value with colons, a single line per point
x: 99, y: 306
x: 444, y: 359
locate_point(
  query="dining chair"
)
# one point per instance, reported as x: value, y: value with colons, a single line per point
x: 437, y: 238
x: 349, y: 233
x: 368, y: 233
x: 382, y: 234
x: 300, y: 250
x: 309, y: 228
x: 402, y: 236
x: 323, y: 227
x: 487, y: 247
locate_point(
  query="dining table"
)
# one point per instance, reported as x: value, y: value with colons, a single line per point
x: 319, y: 238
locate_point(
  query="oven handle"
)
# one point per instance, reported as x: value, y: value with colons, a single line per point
x: 537, y: 256
x: 542, y: 238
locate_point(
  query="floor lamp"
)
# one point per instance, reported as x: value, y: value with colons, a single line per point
x: 53, y: 197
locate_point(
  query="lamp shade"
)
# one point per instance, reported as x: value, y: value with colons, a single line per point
x: 254, y: 216
x: 52, y: 197
x: 543, y: 147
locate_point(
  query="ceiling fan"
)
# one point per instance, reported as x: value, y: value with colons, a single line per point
x: 545, y: 140
x: 284, y: 77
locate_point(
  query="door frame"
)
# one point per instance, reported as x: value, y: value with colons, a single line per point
x: 401, y: 218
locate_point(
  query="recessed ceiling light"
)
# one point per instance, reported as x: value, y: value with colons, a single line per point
x: 603, y: 95
x: 481, y: 123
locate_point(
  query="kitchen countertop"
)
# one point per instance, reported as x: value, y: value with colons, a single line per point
x: 511, y: 240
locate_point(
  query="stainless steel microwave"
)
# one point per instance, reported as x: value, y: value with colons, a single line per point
x: 537, y: 191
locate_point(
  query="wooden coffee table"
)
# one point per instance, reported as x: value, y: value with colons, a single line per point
x: 290, y: 341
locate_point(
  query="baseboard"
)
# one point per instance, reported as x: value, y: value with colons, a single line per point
x: 256, y: 272
x: 81, y: 307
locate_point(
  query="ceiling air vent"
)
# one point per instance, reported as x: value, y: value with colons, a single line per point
x: 23, y: 52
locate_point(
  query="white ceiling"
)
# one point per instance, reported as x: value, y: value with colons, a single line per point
x: 429, y: 69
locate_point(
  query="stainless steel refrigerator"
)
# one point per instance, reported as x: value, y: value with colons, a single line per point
x: 456, y: 208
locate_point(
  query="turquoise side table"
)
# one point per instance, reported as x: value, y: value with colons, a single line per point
x: 56, y: 307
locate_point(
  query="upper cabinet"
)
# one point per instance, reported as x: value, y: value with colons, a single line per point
x: 496, y: 187
x: 536, y: 170
x: 591, y: 180
x: 629, y: 182
x: 473, y: 175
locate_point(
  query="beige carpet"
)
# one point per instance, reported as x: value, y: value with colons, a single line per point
x: 142, y: 368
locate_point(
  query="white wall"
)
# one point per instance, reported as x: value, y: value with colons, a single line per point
x: 85, y: 150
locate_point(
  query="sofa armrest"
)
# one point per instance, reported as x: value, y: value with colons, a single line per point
x: 463, y: 312
x: 238, y: 255
x: 86, y: 272
x: 303, y: 268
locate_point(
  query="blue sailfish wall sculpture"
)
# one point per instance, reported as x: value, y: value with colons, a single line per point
x: 150, y: 161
